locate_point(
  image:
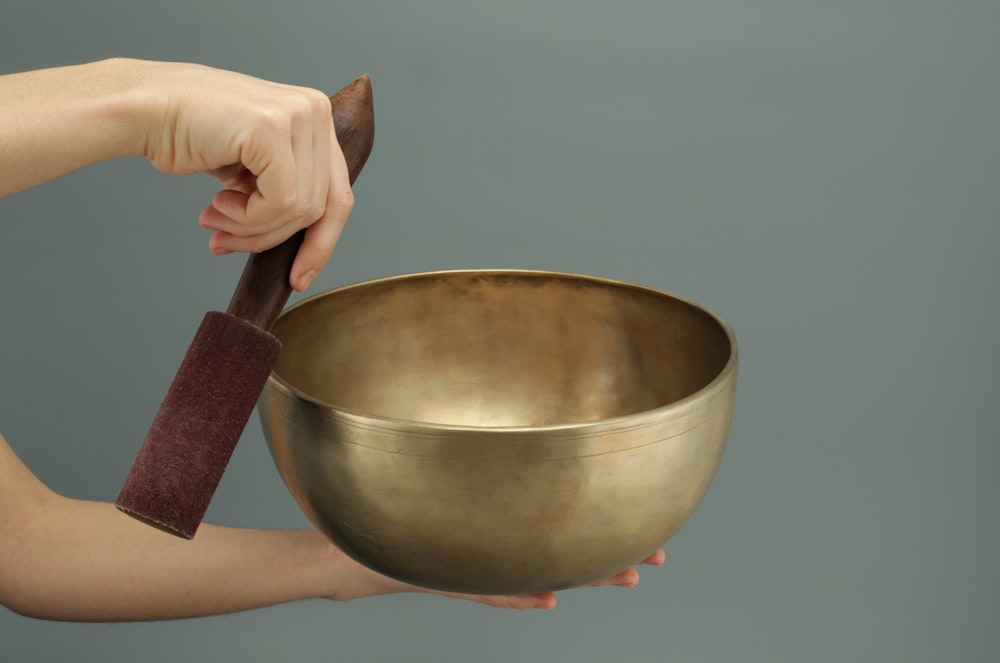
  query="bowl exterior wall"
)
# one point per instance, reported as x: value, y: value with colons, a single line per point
x: 496, y: 511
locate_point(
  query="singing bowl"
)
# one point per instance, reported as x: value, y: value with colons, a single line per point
x: 502, y: 431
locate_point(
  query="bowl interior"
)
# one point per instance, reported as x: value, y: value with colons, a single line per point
x: 502, y: 348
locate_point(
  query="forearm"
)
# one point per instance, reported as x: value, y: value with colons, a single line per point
x: 77, y: 560
x: 54, y: 121
x: 85, y: 561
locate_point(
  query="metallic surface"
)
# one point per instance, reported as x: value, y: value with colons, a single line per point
x: 499, y: 431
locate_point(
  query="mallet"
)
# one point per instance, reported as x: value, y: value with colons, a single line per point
x: 192, y: 438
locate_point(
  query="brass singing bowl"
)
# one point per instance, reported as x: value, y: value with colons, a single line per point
x: 499, y: 432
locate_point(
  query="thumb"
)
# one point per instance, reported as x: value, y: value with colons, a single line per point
x: 321, y: 237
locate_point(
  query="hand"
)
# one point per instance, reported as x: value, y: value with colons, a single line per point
x: 369, y: 583
x: 272, y: 147
x: 547, y: 600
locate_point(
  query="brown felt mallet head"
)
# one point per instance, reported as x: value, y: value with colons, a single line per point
x: 210, y: 400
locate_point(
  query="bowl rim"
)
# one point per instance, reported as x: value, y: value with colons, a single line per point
x: 654, y: 416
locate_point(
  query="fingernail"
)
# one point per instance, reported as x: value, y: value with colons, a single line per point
x: 545, y: 602
x: 306, y: 279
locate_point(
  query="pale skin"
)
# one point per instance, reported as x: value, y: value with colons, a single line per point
x: 272, y: 147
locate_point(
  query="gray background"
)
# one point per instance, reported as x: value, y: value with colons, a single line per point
x: 825, y: 175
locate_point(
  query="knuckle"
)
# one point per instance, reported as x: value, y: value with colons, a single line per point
x: 316, y: 211
x: 280, y: 210
x: 288, y: 203
x: 300, y: 211
x: 273, y: 117
x: 343, y: 199
x: 306, y: 103
x: 318, y: 101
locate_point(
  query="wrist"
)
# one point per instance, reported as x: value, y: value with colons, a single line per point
x: 129, y: 105
x: 343, y: 579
